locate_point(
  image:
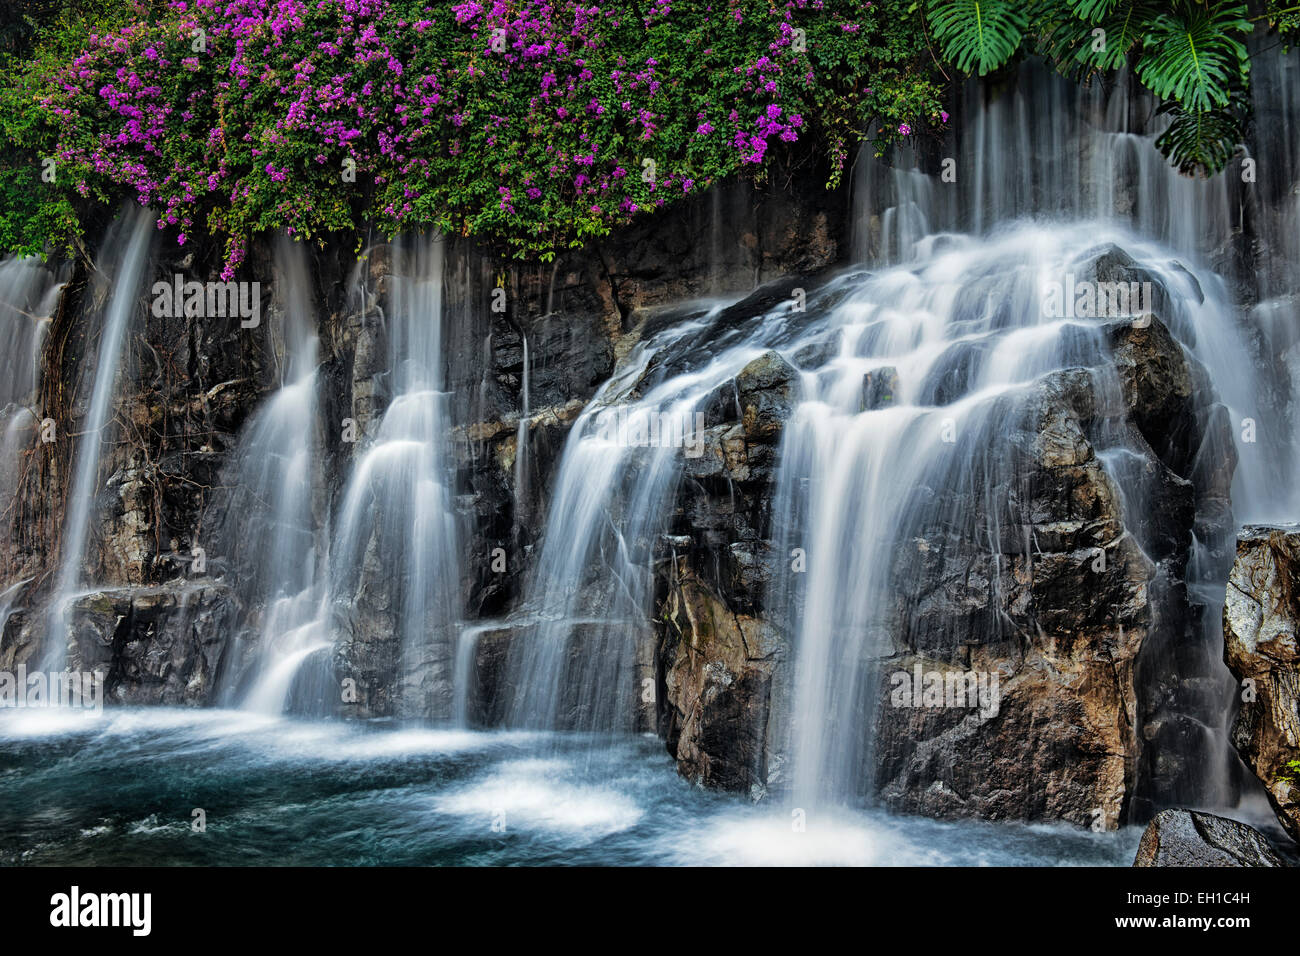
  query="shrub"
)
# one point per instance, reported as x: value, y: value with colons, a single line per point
x: 532, y: 125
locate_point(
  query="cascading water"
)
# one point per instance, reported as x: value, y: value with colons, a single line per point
x: 386, y: 564
x: 1056, y: 151
x: 589, y: 596
x: 131, y: 234
x: 521, y: 442
x: 29, y: 293
x: 396, y: 533
x: 918, y: 379
x: 271, y: 531
x: 959, y: 331
x: 961, y: 337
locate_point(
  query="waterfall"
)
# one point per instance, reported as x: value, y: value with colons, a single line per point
x: 270, y: 531
x: 394, y: 565
x: 386, y: 564
x: 521, y: 441
x: 588, y: 598
x: 131, y: 234
x: 1059, y: 152
x: 961, y: 334
x: 29, y: 294
x: 1052, y: 176
x: 963, y: 338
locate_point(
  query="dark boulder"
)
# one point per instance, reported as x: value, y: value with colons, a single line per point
x: 1191, y: 838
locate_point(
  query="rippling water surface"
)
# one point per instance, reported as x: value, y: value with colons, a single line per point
x: 119, y: 789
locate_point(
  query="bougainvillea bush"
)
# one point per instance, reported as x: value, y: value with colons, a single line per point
x: 529, y: 124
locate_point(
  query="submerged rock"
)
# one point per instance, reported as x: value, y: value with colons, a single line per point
x: 1192, y: 838
x: 1261, y: 616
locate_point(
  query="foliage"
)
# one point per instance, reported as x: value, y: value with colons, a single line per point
x: 1195, y: 57
x: 32, y: 211
x: 1284, y: 17
x: 530, y: 124
x: 1190, y: 54
x: 982, y: 34
x: 1200, y: 139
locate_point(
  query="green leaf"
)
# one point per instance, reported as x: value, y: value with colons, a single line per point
x: 1075, y: 38
x: 1196, y: 56
x: 1124, y: 28
x: 1092, y: 10
x: 978, y: 35
x: 1201, y: 141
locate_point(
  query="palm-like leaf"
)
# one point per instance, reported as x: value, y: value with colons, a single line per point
x: 978, y: 35
x: 1092, y: 10
x: 1201, y: 141
x: 1194, y: 56
x: 1124, y: 24
x: 1069, y: 38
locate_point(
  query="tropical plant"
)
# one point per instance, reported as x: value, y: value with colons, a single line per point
x: 978, y: 35
x: 1200, y: 140
x: 1192, y: 55
x: 1196, y: 56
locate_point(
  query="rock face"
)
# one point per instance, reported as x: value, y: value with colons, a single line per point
x: 719, y: 672
x: 1083, y: 613
x: 1078, y: 606
x: 154, y: 645
x: 1061, y: 611
x: 1059, y: 616
x: 722, y: 661
x: 190, y: 385
x: 1260, y: 620
x: 1191, y: 838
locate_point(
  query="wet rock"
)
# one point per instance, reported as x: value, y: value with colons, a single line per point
x: 816, y: 354
x: 1192, y: 838
x: 767, y: 388
x: 1113, y: 266
x: 1081, y: 591
x: 1157, y: 385
x: 154, y: 645
x: 500, y: 646
x: 1060, y: 609
x: 1053, y: 622
x: 719, y: 671
x: 1261, y: 617
x: 879, y: 386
